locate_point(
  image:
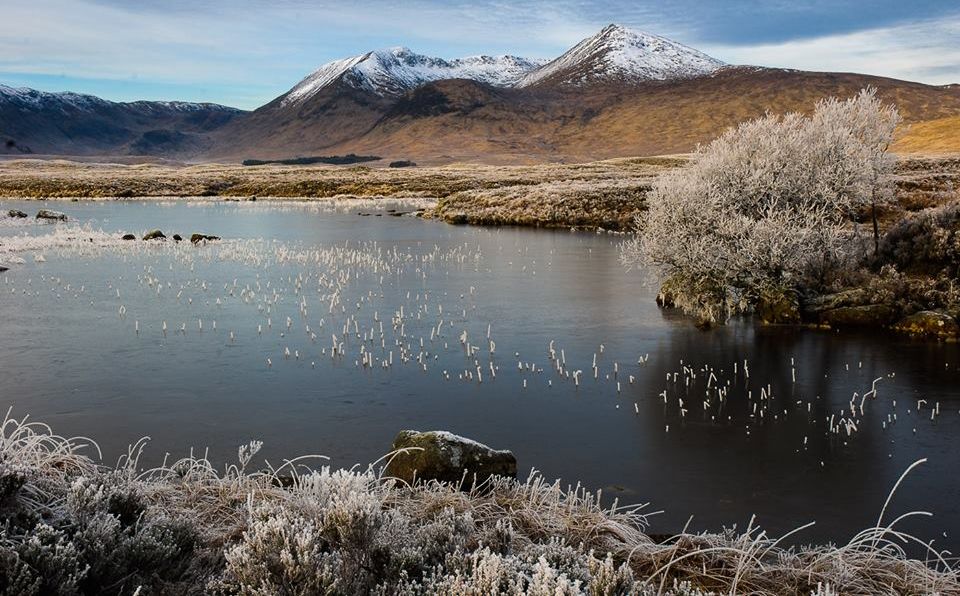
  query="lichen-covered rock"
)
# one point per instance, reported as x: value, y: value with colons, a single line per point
x: 443, y: 456
x: 51, y: 215
x: 197, y: 238
x: 869, y: 315
x: 16, y: 213
x: 929, y: 323
x: 154, y: 235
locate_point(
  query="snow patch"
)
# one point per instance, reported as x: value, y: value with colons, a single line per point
x: 621, y: 54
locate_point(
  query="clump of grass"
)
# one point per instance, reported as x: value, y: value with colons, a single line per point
x: 75, y: 526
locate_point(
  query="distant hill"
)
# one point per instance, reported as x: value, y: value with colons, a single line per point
x: 73, y: 124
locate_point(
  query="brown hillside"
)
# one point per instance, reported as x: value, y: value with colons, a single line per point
x: 462, y: 120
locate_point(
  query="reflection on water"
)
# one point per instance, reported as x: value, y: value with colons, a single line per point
x: 736, y: 446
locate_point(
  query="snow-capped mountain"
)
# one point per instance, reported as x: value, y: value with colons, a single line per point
x: 396, y: 70
x: 615, y: 54
x: 35, y: 99
x: 621, y: 55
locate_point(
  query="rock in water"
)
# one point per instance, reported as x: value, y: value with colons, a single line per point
x: 443, y: 456
x: 929, y: 323
x: 195, y: 238
x: 154, y: 235
x: 2, y: 269
x: 16, y: 213
x: 177, y: 237
x: 128, y: 237
x: 51, y: 215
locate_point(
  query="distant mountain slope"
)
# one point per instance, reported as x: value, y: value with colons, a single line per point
x: 74, y: 124
x: 461, y: 120
x: 617, y: 55
x: 933, y: 136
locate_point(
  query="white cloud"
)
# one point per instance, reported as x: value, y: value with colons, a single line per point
x: 927, y: 51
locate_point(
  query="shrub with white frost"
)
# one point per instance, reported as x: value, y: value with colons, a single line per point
x: 765, y: 208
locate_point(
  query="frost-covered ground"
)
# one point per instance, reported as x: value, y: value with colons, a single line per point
x: 77, y: 527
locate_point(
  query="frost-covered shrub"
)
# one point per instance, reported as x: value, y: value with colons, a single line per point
x: 764, y: 208
x: 927, y: 242
x: 43, y: 561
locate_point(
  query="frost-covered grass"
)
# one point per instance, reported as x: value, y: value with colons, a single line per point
x: 74, y: 526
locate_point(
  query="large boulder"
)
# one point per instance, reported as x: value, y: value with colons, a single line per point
x: 443, y: 456
x: 51, y: 215
x: 128, y: 237
x: 154, y: 235
x: 929, y: 323
x: 16, y: 213
x: 197, y: 238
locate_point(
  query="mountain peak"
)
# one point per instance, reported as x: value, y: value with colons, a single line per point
x: 620, y: 54
x: 393, y: 71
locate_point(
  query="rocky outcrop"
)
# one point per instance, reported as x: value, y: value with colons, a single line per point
x: 51, y: 215
x: 850, y: 308
x: 868, y: 315
x: 154, y: 235
x: 16, y: 213
x: 197, y: 238
x: 929, y: 323
x: 443, y: 456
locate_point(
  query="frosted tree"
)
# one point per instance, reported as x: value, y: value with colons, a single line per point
x: 764, y: 208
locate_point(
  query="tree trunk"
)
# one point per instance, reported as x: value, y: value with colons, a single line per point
x: 876, y: 229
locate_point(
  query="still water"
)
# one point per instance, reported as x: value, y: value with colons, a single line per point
x: 720, y: 425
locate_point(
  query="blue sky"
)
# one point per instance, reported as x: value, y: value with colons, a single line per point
x: 246, y: 52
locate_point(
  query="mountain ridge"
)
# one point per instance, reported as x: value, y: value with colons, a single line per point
x: 615, y: 94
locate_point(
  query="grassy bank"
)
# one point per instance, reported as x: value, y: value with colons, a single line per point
x: 602, y: 194
x: 606, y: 194
x: 73, y: 526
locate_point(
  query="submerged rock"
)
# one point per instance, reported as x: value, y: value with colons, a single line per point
x: 443, y: 456
x: 16, y: 213
x: 195, y: 238
x: 128, y: 237
x: 929, y: 323
x: 51, y: 215
x: 154, y: 235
